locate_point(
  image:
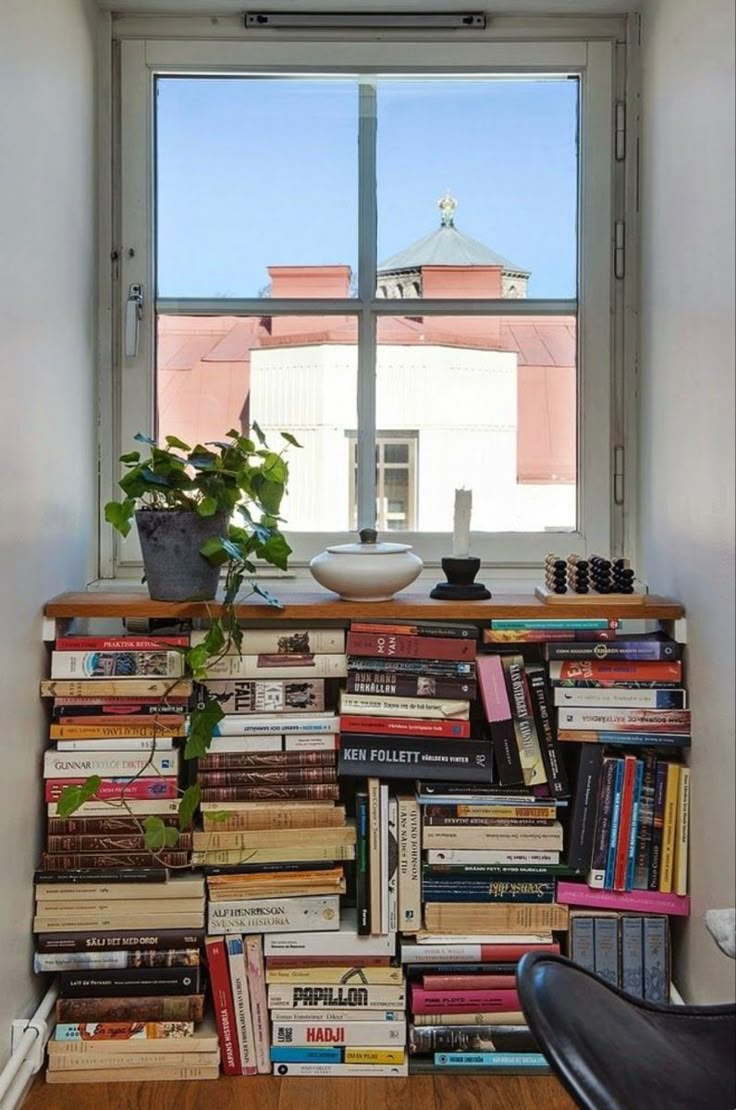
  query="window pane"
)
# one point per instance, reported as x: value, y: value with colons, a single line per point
x: 256, y: 187
x: 477, y: 187
x: 294, y: 374
x: 492, y: 401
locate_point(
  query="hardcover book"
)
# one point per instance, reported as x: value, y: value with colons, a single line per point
x: 402, y: 757
x: 239, y: 695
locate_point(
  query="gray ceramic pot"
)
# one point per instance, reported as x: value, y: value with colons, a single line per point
x: 170, y: 543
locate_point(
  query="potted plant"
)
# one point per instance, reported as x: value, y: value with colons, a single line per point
x: 199, y: 507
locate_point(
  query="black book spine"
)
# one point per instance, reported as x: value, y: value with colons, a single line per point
x: 440, y: 668
x: 557, y: 781
x: 417, y: 971
x: 393, y: 684
x: 362, y: 878
x: 642, y: 651
x: 655, y: 859
x: 582, y: 818
x: 113, y: 941
x: 602, y: 832
x: 129, y: 982
x: 90, y: 875
x: 267, y: 868
x: 643, y: 846
x: 405, y: 758
x: 157, y: 709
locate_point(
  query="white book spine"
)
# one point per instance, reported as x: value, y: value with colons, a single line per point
x: 281, y: 725
x: 117, y: 744
x: 409, y: 866
x: 393, y: 862
x: 315, y: 996
x: 78, y: 961
x: 384, y: 855
x: 299, y: 742
x: 109, y: 664
x: 138, y: 807
x: 241, y: 1004
x: 492, y: 857
x: 337, y: 1071
x: 278, y: 641
x: 259, y: 1004
x: 275, y: 914
x: 439, y: 953
x: 597, y: 717
x: 255, y: 666
x: 596, y: 878
x: 60, y: 765
x: 618, y: 698
x: 499, y: 837
x: 361, y: 1033
x: 245, y: 744
x: 345, y: 943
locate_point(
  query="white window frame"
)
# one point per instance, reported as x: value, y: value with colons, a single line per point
x: 127, y: 388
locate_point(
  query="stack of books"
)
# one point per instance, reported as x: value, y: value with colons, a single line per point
x: 337, y: 1003
x: 630, y: 951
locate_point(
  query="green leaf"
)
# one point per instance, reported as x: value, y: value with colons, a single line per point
x: 214, y: 641
x: 218, y: 816
x: 188, y: 806
x: 174, y: 441
x: 140, y: 438
x: 259, y: 434
x: 119, y: 514
x: 158, y: 836
x: 269, y: 495
x: 207, y: 506
x: 291, y: 439
x: 275, y: 551
x: 202, y: 724
x: 197, y: 657
x: 154, y: 478
x: 72, y: 797
x: 131, y: 457
x: 233, y: 434
x: 213, y: 551
x: 274, y: 601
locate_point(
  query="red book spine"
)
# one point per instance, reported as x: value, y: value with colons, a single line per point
x: 404, y: 726
x: 154, y: 787
x: 621, y: 670
x: 624, y: 828
x: 507, y: 953
x: 386, y: 645
x: 120, y: 643
x: 287, y: 776
x: 223, y: 1005
x: 463, y: 1002
x: 468, y: 982
x: 322, y: 792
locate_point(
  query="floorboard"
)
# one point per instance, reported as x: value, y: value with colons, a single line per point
x: 462, y: 1092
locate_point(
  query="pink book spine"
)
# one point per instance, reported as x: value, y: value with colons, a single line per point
x: 258, y: 1002
x: 492, y: 687
x: 143, y: 788
x: 119, y: 643
x: 463, y: 1002
x: 637, y: 901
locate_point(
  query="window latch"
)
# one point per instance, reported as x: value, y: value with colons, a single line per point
x: 133, y: 317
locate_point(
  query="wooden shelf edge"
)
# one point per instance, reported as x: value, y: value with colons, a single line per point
x: 326, y: 606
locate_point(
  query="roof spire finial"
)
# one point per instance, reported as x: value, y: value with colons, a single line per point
x: 447, y: 205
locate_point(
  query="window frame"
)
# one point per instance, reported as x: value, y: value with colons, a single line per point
x: 127, y: 386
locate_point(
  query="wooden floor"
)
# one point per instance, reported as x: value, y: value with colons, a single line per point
x: 462, y: 1092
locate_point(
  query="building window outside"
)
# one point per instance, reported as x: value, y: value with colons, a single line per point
x: 396, y: 480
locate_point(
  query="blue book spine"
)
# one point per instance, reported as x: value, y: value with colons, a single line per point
x: 644, y: 739
x: 302, y: 1054
x: 491, y: 1059
x: 582, y: 946
x: 656, y: 962
x: 632, y: 956
x: 606, y: 949
x: 634, y: 830
x: 615, y: 818
x: 554, y: 623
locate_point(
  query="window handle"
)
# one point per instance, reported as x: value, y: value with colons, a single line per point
x: 133, y: 317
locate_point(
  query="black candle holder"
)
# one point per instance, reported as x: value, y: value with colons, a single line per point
x: 460, y: 572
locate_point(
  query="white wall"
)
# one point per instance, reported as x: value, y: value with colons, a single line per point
x: 47, y: 391
x: 687, y: 416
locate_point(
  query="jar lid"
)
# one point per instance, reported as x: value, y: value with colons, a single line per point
x: 369, y: 545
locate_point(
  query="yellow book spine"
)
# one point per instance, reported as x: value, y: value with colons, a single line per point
x: 374, y: 1056
x: 668, y: 829
x: 679, y: 877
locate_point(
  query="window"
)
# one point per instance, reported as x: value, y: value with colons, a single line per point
x: 280, y: 200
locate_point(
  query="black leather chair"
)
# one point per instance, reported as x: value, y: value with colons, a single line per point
x: 616, y: 1052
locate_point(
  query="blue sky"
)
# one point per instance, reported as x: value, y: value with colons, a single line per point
x: 258, y: 172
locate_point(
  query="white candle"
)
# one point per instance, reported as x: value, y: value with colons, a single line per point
x: 461, y: 534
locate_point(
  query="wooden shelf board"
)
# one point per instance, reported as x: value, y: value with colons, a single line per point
x: 326, y: 606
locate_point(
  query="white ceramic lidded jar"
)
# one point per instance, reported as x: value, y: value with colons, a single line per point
x: 366, y: 571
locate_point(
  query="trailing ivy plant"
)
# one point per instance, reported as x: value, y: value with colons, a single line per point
x: 245, y: 479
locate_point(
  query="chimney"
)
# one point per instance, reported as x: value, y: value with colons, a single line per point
x: 306, y: 282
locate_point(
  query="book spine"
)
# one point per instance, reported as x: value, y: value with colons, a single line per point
x: 402, y: 757
x: 605, y: 939
x: 461, y: 1002
x: 624, y: 823
x: 615, y: 820
x: 59, y: 765
x: 565, y: 697
x: 410, y: 901
x: 112, y: 842
x: 446, y: 631
x: 340, y: 996
x: 276, y: 666
x: 241, y: 1004
x: 611, y: 671
x: 383, y: 812
x: 259, y: 1004
x: 556, y: 623
x: 602, y: 832
x: 626, y: 739
x: 631, y: 901
x: 643, y: 850
x: 472, y: 953
x: 114, y: 688
x: 185, y: 1007
x: 501, y: 891
x: 118, y: 744
x: 426, y: 1039
x: 525, y: 731
x: 656, y: 959
x: 582, y: 942
x: 95, y: 941
x: 107, y: 860
x: 236, y: 761
x: 634, y: 830
x: 276, y: 641
x: 222, y: 1001
x: 116, y: 664
x: 508, y: 917
x: 374, y: 855
x: 306, y: 791
x: 360, y: 1033
x: 512, y: 1061
x: 276, y: 914
x: 624, y: 720
x: 632, y: 956
x: 81, y: 826
x: 498, y: 837
x: 282, y: 726
x: 311, y: 742
x: 239, y: 695
x: 124, y: 982
x: 373, y: 705
x: 393, y: 865
x: 362, y: 890
x: 409, y: 647
x: 583, y: 815
x: 488, y: 815
x: 668, y: 830
x: 405, y: 726
x: 433, y: 668
x: 86, y: 644
x: 557, y: 780
x: 394, y: 684
x: 660, y: 788
x: 154, y: 787
x: 88, y: 961
x: 86, y: 1034
x: 283, y: 776
x: 96, y: 733
x: 625, y: 650
x: 679, y: 877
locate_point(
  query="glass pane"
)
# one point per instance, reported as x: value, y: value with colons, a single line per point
x: 477, y: 187
x: 492, y: 401
x: 256, y: 187
x: 294, y: 374
x: 396, y: 453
